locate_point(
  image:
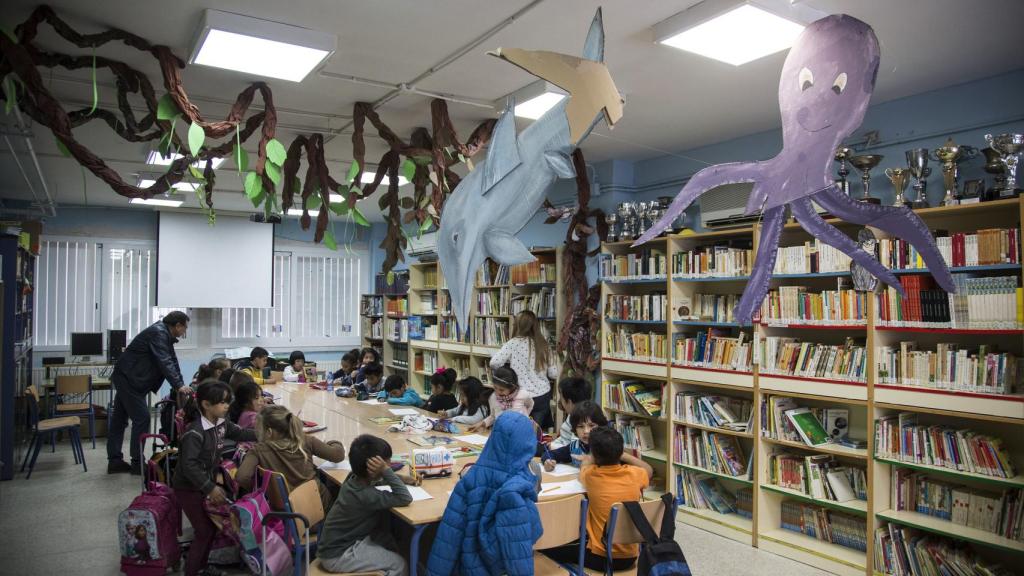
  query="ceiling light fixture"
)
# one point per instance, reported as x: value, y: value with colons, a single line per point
x: 260, y: 47
x: 183, y: 186
x: 736, y: 31
x: 157, y: 202
x: 157, y: 159
x: 534, y: 99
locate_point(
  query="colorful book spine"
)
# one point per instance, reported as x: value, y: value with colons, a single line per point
x: 900, y: 437
x: 645, y: 307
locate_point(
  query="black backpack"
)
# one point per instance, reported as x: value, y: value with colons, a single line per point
x: 660, y: 555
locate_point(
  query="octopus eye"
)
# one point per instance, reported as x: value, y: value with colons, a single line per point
x: 806, y: 79
x: 455, y: 238
x: 840, y: 84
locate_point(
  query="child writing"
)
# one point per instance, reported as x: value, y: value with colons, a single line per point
x: 356, y: 534
x: 471, y: 409
x: 441, y: 397
x: 284, y: 448
x: 247, y: 405
x: 571, y: 391
x: 371, y: 382
x: 507, y: 397
x: 294, y: 371
x: 585, y: 418
x: 349, y: 363
x: 199, y: 455
x: 607, y: 481
x: 396, y: 392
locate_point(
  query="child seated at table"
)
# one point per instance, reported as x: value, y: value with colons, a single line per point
x: 258, y: 359
x: 247, y: 404
x: 396, y: 392
x: 507, y: 397
x: 349, y: 363
x: 370, y: 385
x: 607, y: 480
x: 367, y: 356
x: 356, y: 535
x: 571, y: 391
x: 472, y: 407
x: 441, y: 397
x: 295, y: 370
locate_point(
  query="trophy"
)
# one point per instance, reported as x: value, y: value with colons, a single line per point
x: 864, y: 163
x: 898, y: 177
x: 611, y: 219
x: 917, y: 159
x: 995, y: 166
x: 948, y: 155
x: 841, y: 156
x: 627, y: 220
x: 1008, y: 146
x: 643, y: 212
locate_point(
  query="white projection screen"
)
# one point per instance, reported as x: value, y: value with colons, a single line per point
x: 219, y: 266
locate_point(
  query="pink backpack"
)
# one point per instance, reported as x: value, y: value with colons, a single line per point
x: 247, y: 516
x: 148, y: 532
x: 224, y: 549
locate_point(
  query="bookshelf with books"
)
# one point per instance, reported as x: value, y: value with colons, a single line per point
x: 395, y: 321
x: 371, y: 315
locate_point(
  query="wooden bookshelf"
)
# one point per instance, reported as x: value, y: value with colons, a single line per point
x: 868, y: 399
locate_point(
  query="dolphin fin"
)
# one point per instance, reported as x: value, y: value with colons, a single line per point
x: 561, y: 163
x: 593, y: 48
x: 503, y: 151
x: 506, y: 249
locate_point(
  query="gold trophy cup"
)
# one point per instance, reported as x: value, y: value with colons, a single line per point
x: 899, y: 178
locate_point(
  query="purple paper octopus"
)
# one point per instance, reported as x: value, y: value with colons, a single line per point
x: 824, y: 90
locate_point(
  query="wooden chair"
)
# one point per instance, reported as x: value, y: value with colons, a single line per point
x: 559, y: 531
x: 79, y: 386
x: 620, y: 529
x: 49, y: 427
x: 303, y: 500
x: 314, y: 568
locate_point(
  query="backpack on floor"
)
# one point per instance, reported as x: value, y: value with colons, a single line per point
x: 660, y: 555
x: 248, y: 518
x: 148, y: 532
x: 224, y: 551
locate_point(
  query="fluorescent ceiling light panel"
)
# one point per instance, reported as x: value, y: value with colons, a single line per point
x: 260, y: 47
x: 733, y: 32
x: 367, y: 178
x: 157, y: 159
x: 533, y: 100
x: 296, y: 212
x: 183, y: 186
x: 157, y: 202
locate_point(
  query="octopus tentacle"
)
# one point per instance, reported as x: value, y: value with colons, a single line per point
x: 764, y: 264
x: 700, y: 183
x: 809, y: 219
x: 898, y: 221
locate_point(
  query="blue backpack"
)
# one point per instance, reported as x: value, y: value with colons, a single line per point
x: 660, y: 555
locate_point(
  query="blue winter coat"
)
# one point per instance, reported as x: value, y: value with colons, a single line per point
x: 491, y: 522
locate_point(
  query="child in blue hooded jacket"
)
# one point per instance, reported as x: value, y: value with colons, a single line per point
x: 398, y: 393
x: 491, y: 522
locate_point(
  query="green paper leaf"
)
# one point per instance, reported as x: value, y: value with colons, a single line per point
x: 329, y: 240
x: 95, y: 89
x: 164, y: 147
x: 425, y: 225
x: 10, y: 94
x: 359, y: 218
x: 390, y: 277
x: 196, y: 137
x: 352, y: 172
x: 259, y: 198
x: 408, y: 169
x: 196, y: 173
x: 253, y: 185
x: 63, y: 149
x: 355, y: 190
x: 241, y: 159
x: 313, y: 202
x: 469, y: 164
x: 424, y: 201
x: 339, y: 208
x: 273, y: 172
x: 276, y: 152
x: 166, y: 109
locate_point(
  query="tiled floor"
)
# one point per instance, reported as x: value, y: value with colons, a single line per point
x: 62, y: 521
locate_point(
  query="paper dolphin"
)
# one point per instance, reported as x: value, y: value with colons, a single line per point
x: 500, y: 196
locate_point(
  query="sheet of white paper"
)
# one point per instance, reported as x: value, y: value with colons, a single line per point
x: 343, y: 465
x: 403, y: 411
x: 477, y: 439
x: 567, y: 488
x: 563, y: 470
x: 416, y: 492
x: 373, y: 401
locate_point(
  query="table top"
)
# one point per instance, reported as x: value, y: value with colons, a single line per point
x: 98, y: 382
x: 347, y: 418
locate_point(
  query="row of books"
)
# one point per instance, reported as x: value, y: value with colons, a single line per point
x: 371, y: 305
x: 820, y: 476
x: 400, y: 357
x: 827, y: 525
x: 790, y: 357
x: 428, y: 303
x: 783, y: 419
x: 491, y: 302
x: 714, y: 410
x: 448, y: 329
x: 542, y: 303
x: 397, y: 329
x: 949, y: 367
x: 713, y: 348
x: 534, y: 273
x: 399, y: 284
x: 719, y: 453
x: 652, y: 307
x: 991, y: 302
x: 900, y: 437
x: 813, y: 257
x: 704, y: 492
x: 636, y: 434
x: 984, y: 247
x: 490, y: 331
x: 430, y: 332
x: 397, y: 306
x: 713, y: 262
x: 636, y: 396
x: 430, y: 277
x: 425, y: 361
x: 998, y: 513
x: 444, y: 303
x: 626, y: 344
x: 491, y: 274
x: 799, y: 305
x: 649, y: 264
x: 708, y: 307
x: 905, y: 551
x: 373, y: 328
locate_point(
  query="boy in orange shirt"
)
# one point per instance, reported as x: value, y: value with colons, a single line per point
x: 607, y: 481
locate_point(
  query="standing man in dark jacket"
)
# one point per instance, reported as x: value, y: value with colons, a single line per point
x: 141, y: 369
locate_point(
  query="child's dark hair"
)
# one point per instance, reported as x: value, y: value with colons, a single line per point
x: 394, y: 382
x: 226, y: 375
x: 363, y: 448
x: 445, y: 379
x: 606, y: 446
x: 296, y: 355
x: 505, y: 376
x: 575, y: 389
x: 471, y: 392
x: 373, y: 351
x: 208, y: 370
x: 238, y: 378
x: 246, y: 392
x: 258, y: 352
x: 352, y: 357
x: 374, y: 369
x: 212, y: 391
x: 587, y: 410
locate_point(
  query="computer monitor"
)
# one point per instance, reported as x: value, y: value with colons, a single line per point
x: 86, y: 343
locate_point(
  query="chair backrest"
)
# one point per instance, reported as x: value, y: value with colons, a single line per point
x: 32, y: 395
x: 555, y: 518
x: 305, y: 500
x: 79, y: 384
x: 277, y: 492
x: 623, y: 531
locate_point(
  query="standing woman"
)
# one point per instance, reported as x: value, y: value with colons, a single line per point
x: 529, y: 355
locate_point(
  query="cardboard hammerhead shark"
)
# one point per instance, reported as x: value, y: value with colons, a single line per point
x: 500, y: 196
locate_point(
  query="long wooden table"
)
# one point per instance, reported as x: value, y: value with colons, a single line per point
x: 347, y: 418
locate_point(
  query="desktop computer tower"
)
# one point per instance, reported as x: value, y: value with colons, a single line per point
x: 117, y: 341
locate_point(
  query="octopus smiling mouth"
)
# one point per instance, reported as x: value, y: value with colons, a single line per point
x: 802, y: 125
